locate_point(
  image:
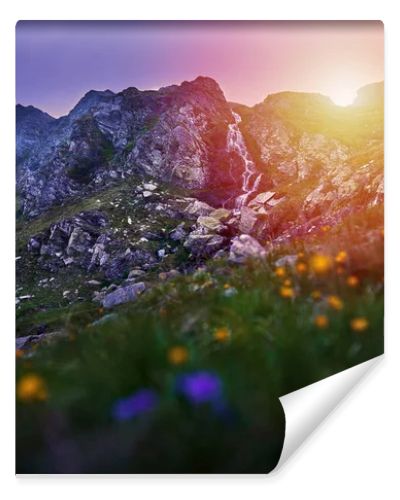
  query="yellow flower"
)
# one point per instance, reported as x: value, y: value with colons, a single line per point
x: 316, y: 295
x: 353, y: 281
x: 280, y: 272
x: 300, y: 255
x: 301, y: 268
x: 359, y: 324
x: 320, y: 264
x: 335, y: 302
x: 321, y: 321
x: 222, y: 334
x: 287, y: 282
x: 325, y: 229
x: 286, y: 292
x: 178, y: 355
x: 341, y: 257
x: 31, y: 387
x: 226, y: 286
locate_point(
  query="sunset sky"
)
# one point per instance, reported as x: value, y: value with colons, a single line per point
x: 58, y: 62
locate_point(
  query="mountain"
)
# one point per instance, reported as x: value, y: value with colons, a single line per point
x: 176, y: 134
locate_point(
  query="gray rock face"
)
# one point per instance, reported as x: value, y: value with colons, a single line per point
x: 123, y: 294
x: 204, y: 245
x: 176, y: 134
x: 245, y: 247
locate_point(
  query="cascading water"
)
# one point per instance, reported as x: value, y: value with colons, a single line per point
x: 251, y: 178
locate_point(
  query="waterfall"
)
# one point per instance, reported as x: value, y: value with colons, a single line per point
x: 251, y: 178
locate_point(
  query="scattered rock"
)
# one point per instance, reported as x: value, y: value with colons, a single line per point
x: 123, y: 294
x: 179, y: 233
x: 210, y: 223
x: 197, y: 208
x: 204, y: 245
x: 244, y: 247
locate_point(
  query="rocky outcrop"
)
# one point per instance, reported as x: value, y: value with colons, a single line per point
x: 177, y: 134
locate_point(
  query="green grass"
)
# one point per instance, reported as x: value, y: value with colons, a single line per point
x: 274, y: 348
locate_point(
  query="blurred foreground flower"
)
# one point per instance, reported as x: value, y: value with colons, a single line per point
x: 221, y: 334
x: 31, y: 387
x: 280, y: 272
x: 321, y: 321
x: 341, y: 257
x: 316, y: 295
x: 200, y: 387
x: 359, y: 324
x: 286, y: 292
x: 335, y: 302
x: 178, y: 355
x: 352, y: 281
x: 142, y: 401
x: 320, y: 264
x: 301, y: 267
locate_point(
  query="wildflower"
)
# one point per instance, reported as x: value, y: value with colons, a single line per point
x: 31, y: 387
x: 341, y: 257
x: 226, y: 286
x: 316, y: 295
x: 280, y: 272
x: 359, y: 324
x: 286, y: 292
x: 287, y: 282
x: 200, y: 387
x: 178, y: 355
x: 335, y: 302
x: 325, y: 228
x: 221, y: 334
x: 352, y: 281
x: 300, y: 255
x: 320, y: 264
x: 321, y: 321
x: 142, y: 401
x: 301, y: 267
x: 340, y: 270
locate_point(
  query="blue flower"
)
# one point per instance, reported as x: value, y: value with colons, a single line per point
x: 141, y: 401
x: 200, y: 387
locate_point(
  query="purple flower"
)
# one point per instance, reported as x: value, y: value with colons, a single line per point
x: 141, y: 401
x: 200, y: 387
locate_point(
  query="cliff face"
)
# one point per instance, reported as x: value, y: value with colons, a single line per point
x: 322, y: 161
x: 176, y: 134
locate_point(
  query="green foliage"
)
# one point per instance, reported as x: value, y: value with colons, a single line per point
x: 274, y: 348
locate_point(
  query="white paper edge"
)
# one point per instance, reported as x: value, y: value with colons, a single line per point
x: 305, y: 409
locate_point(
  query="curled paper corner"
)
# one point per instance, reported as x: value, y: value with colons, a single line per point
x: 306, y: 408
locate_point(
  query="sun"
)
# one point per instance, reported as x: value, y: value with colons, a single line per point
x: 343, y: 96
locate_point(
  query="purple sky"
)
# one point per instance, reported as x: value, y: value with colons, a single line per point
x: 58, y: 62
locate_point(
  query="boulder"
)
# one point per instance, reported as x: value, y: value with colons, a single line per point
x: 197, y: 208
x: 123, y: 294
x: 204, y: 245
x: 262, y: 198
x: 79, y: 241
x: 179, y: 233
x: 248, y: 220
x: 244, y: 247
x: 210, y: 223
